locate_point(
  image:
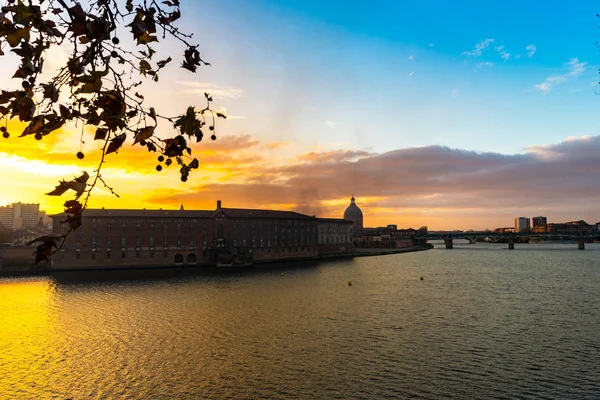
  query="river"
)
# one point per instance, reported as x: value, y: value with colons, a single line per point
x: 484, y: 322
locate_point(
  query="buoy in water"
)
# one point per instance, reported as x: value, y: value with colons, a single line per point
x: 421, y: 278
x: 281, y: 274
x: 349, y: 283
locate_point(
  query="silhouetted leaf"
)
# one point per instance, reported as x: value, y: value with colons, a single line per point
x: 116, y: 143
x: 162, y: 63
x: 174, y: 147
x: 25, y: 108
x: 64, y: 112
x: 34, y: 126
x: 73, y: 206
x: 191, y: 59
x: 143, y: 134
x: 74, y: 221
x: 78, y: 185
x: 50, y: 92
x: 101, y: 134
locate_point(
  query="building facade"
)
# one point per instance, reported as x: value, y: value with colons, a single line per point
x: 385, y: 237
x: 7, y: 216
x: 20, y: 216
x: 539, y: 224
x: 225, y: 236
x: 335, y: 236
x: 522, y: 224
x: 576, y: 228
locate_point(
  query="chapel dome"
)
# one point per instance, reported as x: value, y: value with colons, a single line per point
x: 353, y: 211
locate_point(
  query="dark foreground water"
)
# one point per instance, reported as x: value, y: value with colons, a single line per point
x: 484, y: 322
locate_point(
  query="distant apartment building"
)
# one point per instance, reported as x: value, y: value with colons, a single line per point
x: 539, y: 224
x: 20, y: 216
x: 522, y: 224
x: 504, y: 230
x: 7, y: 216
x: 577, y: 228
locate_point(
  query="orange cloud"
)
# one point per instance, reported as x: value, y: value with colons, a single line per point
x: 435, y: 186
x: 277, y: 145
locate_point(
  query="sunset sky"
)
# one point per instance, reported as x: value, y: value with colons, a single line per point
x: 454, y: 115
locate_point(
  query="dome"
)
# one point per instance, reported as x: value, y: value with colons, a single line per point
x: 353, y: 212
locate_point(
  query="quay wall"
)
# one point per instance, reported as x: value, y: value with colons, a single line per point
x: 20, y: 260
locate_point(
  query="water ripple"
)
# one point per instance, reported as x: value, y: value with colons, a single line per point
x: 482, y: 324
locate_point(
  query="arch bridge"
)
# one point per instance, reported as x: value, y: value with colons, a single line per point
x: 506, y: 237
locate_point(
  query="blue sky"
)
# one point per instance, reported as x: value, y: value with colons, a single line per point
x: 390, y: 74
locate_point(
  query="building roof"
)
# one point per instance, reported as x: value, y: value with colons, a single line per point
x: 136, y: 213
x: 229, y: 212
x: 334, y: 220
x: 353, y: 211
x: 251, y: 213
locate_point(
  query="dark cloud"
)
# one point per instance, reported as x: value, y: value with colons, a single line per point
x: 560, y: 180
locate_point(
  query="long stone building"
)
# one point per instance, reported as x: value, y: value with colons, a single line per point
x: 111, y: 238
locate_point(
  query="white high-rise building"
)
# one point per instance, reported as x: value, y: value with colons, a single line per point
x: 522, y: 224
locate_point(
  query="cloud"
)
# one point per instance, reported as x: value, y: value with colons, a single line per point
x: 212, y: 88
x: 479, y: 47
x: 431, y: 45
x: 411, y: 58
x: 575, y: 67
x: 411, y: 74
x: 531, y: 49
x: 455, y: 93
x: 277, y: 145
x: 517, y: 56
x: 440, y: 182
x: 484, y: 64
x: 503, y: 53
x: 331, y: 124
x: 544, y: 86
x: 333, y: 156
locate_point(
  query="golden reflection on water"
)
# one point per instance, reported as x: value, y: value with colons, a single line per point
x: 28, y: 320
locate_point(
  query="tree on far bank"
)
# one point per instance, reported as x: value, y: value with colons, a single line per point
x: 98, y: 85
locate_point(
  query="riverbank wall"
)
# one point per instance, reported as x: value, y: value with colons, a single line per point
x: 19, y: 261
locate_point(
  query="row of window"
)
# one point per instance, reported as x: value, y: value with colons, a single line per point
x: 260, y: 242
x: 166, y: 253
x: 335, y: 239
x: 165, y: 228
x: 241, y: 222
x: 335, y: 229
x: 137, y: 255
x: 291, y: 249
x: 110, y: 220
x: 138, y: 228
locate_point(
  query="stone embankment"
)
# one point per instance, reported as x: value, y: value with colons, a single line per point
x: 19, y: 261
